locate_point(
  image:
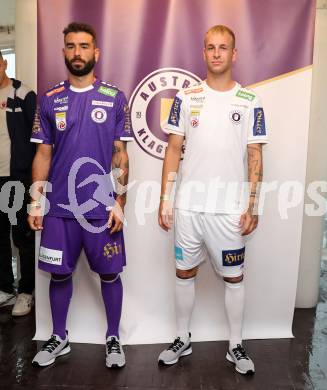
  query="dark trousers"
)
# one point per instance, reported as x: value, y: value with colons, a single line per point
x: 24, y: 240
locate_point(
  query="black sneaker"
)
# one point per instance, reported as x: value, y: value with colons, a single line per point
x: 175, y: 350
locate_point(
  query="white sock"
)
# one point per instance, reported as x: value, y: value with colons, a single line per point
x: 185, y: 296
x: 234, y: 305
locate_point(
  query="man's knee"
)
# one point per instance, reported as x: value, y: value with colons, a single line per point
x: 60, y: 277
x: 236, y: 279
x: 109, y: 278
x: 186, y: 273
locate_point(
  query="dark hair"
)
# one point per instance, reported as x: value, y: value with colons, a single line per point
x: 80, y: 27
x: 1, y: 58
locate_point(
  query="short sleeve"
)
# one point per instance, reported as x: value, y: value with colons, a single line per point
x: 257, y: 132
x: 42, y: 131
x: 176, y: 119
x: 123, y: 128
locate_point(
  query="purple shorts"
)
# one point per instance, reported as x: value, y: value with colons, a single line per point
x: 62, y: 240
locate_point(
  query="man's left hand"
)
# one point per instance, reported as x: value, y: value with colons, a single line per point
x: 248, y: 223
x: 116, y: 216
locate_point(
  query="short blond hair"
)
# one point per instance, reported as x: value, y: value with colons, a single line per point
x: 220, y: 28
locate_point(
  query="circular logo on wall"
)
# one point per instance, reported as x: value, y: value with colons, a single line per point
x: 150, y: 105
x: 99, y: 115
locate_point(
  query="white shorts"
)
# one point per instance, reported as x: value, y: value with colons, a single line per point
x: 219, y: 235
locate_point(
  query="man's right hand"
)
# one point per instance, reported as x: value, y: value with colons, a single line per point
x: 165, y: 215
x: 35, y: 222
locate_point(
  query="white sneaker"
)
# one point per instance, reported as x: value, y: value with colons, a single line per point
x: 50, y: 350
x: 6, y: 298
x: 23, y: 305
x: 239, y: 357
x: 176, y: 349
x: 115, y: 356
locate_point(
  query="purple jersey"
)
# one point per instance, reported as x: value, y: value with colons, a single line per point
x: 82, y: 125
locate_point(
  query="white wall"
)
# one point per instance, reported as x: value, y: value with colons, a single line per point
x: 26, y: 42
x: 310, y: 259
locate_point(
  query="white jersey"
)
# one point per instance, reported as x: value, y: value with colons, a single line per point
x: 217, y: 127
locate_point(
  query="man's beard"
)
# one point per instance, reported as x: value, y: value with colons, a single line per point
x: 81, y: 70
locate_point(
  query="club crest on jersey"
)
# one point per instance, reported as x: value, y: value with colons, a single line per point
x: 61, y: 122
x: 150, y: 106
x: 195, y: 114
x: 99, y: 115
x: 236, y: 117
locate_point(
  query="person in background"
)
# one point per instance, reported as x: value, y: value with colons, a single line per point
x: 17, y: 109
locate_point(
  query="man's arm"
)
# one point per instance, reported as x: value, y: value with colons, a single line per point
x: 249, y: 220
x: 169, y: 172
x: 120, y: 165
x: 40, y: 172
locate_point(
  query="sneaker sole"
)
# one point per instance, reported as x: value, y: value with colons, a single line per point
x: 64, y: 351
x: 187, y: 352
x: 230, y: 359
x: 115, y: 365
x: 21, y: 313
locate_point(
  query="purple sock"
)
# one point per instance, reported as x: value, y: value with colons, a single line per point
x: 112, y: 293
x: 60, y: 292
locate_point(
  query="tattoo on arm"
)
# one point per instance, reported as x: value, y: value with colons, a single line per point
x: 120, y: 164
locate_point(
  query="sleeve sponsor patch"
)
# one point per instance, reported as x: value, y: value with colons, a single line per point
x: 54, y: 91
x: 259, y: 126
x: 233, y: 257
x: 175, y: 112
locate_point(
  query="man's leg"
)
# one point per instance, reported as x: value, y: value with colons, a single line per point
x: 227, y: 249
x: 24, y: 240
x: 189, y: 254
x: 106, y: 255
x: 61, y: 244
x: 112, y: 294
x: 6, y: 272
x: 60, y: 294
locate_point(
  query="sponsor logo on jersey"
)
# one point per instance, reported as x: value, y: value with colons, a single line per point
x: 61, y: 108
x: 236, y: 116
x: 108, y: 91
x: 61, y: 122
x: 178, y: 253
x: 3, y: 105
x: 50, y: 256
x: 101, y: 103
x: 63, y: 100
x: 150, y: 106
x: 233, y: 257
x: 197, y: 99
x: 54, y: 91
x: 194, y: 90
x: 245, y: 95
x: 111, y: 249
x: 128, y: 121
x: 36, y: 122
x: 195, y: 115
x: 259, y: 126
x: 175, y: 112
x: 99, y: 115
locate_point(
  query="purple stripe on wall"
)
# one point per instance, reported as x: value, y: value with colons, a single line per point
x: 136, y: 37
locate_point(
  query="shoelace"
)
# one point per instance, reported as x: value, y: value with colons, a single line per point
x: 176, y: 345
x: 239, y: 352
x: 113, y: 346
x: 51, y: 344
